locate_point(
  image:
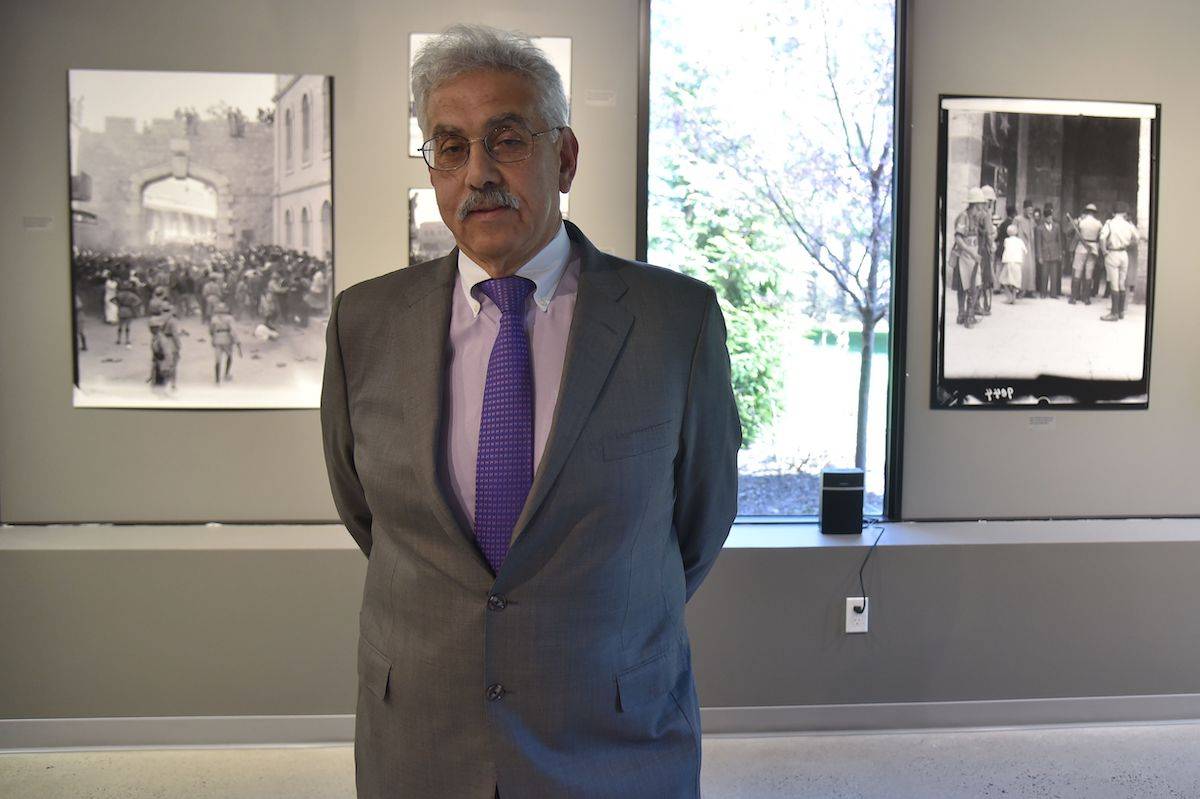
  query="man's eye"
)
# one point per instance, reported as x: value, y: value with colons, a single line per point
x: 508, y: 143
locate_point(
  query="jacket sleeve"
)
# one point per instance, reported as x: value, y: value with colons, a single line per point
x: 706, y: 479
x: 338, y: 440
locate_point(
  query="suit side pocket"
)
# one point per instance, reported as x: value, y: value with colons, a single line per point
x: 648, y: 681
x: 374, y: 669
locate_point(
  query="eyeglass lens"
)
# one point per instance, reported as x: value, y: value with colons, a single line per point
x: 505, y: 144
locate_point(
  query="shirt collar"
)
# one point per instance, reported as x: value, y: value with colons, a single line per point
x: 544, y: 269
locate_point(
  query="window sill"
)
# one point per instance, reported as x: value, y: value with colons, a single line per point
x: 745, y: 535
x: 776, y: 535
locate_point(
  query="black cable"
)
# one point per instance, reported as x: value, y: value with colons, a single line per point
x: 870, y: 524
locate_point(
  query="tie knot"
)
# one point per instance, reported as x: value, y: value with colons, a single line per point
x: 508, y: 293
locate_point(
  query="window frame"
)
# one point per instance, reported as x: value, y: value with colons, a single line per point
x: 327, y: 114
x: 898, y: 313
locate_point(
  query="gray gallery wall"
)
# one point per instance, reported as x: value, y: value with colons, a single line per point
x: 56, y: 462
x: 191, y: 621
x: 968, y: 464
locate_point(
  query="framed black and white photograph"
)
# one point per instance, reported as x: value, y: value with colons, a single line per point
x: 1045, y: 245
x: 428, y: 236
x: 556, y: 48
x: 201, y: 238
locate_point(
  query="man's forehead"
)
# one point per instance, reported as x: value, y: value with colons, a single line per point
x: 474, y: 100
x: 491, y: 123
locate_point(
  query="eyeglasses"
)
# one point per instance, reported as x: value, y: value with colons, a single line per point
x: 506, y: 144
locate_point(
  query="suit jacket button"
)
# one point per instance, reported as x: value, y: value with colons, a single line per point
x: 495, y: 691
x: 497, y: 602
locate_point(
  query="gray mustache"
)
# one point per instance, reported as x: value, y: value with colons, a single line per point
x: 488, y: 198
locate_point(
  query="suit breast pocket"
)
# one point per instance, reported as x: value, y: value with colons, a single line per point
x: 638, y: 441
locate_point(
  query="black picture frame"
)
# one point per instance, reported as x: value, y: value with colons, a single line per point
x: 1079, y: 370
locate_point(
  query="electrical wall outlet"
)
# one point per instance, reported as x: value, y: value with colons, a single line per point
x: 856, y: 622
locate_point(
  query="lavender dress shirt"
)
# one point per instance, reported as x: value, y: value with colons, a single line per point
x: 474, y: 322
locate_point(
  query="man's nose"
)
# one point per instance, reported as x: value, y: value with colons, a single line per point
x: 481, y: 169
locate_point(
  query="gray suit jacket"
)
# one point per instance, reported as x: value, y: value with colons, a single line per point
x: 568, y: 674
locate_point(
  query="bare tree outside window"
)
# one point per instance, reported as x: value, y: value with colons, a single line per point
x: 771, y: 155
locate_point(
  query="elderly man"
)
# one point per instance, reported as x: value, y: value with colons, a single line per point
x: 535, y: 445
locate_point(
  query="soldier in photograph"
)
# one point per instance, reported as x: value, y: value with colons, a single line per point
x: 1116, y: 236
x: 224, y: 337
x: 1086, y: 249
x: 128, y: 304
x: 165, y: 347
x: 210, y: 295
x: 987, y: 250
x: 964, y: 261
x: 158, y: 301
x: 1049, y: 240
x: 275, y: 297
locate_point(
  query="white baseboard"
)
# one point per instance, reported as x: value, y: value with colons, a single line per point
x: 172, y: 731
x: 23, y: 735
x: 894, y: 716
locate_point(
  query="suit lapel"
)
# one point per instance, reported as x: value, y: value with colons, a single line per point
x: 598, y: 330
x: 423, y: 336
x: 599, y: 327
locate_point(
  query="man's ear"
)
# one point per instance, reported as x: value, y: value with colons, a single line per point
x: 568, y: 159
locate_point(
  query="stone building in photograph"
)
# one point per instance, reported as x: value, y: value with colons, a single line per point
x: 185, y: 179
x: 303, y: 197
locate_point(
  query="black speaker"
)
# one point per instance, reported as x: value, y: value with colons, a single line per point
x: 842, y: 501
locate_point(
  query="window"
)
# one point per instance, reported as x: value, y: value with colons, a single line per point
x: 287, y: 228
x: 305, y: 129
x: 305, y: 230
x: 287, y: 132
x: 326, y: 230
x: 770, y: 153
x: 326, y: 115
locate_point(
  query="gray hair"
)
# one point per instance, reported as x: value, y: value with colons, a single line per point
x: 467, y: 48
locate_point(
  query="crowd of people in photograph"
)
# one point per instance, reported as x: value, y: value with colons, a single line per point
x: 266, y: 287
x: 1024, y: 255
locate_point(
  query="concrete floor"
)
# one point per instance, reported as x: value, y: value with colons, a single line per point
x: 1111, y: 762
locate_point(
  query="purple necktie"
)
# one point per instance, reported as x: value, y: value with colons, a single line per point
x: 504, y: 469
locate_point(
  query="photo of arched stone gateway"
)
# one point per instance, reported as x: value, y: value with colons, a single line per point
x: 202, y: 238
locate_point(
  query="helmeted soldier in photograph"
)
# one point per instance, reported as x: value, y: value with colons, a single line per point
x: 1087, y: 249
x: 987, y: 251
x: 965, y: 259
x: 1116, y: 236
